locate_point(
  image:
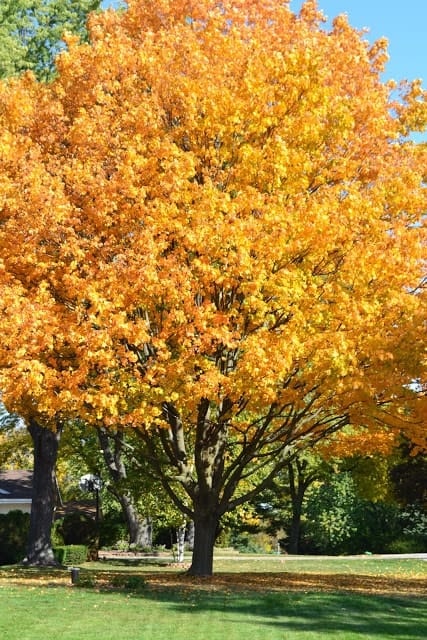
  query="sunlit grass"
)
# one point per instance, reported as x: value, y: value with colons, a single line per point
x: 45, y: 613
x: 370, y: 565
x: 262, y: 598
x: 240, y: 563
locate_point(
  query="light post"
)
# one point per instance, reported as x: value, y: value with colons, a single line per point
x: 93, y: 484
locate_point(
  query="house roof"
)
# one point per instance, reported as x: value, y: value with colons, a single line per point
x: 16, y: 485
x: 84, y: 507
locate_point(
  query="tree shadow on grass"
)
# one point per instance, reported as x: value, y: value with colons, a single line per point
x: 368, y: 606
x: 394, y: 618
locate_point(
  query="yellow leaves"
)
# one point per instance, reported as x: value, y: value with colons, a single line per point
x: 359, y: 441
x: 378, y: 54
x: 209, y: 208
x: 413, y: 112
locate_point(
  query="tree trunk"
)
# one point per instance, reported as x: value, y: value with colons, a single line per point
x: 294, y: 532
x: 46, y: 443
x: 299, y: 481
x: 180, y: 543
x: 190, y: 535
x: 205, y: 529
x: 146, y: 532
x: 140, y: 530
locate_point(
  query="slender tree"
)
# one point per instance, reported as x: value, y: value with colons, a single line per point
x: 112, y: 444
x: 31, y: 33
x: 228, y: 242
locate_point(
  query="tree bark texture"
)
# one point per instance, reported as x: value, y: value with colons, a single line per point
x: 46, y: 444
x: 190, y: 535
x: 140, y: 529
x: 205, y: 530
x: 180, y: 543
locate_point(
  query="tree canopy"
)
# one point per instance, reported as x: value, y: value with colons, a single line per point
x: 213, y: 232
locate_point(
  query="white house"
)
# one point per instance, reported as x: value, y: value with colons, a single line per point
x: 15, y: 491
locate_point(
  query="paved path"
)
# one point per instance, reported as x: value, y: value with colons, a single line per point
x: 108, y: 555
x: 366, y: 556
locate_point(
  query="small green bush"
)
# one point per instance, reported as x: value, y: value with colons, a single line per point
x: 407, y: 544
x: 14, y: 527
x: 121, y: 545
x: 71, y: 554
x: 250, y: 543
x: 60, y: 554
x: 77, y: 529
x: 112, y: 528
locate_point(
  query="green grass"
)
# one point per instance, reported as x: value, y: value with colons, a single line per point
x: 370, y: 565
x: 240, y: 563
x: 47, y: 613
x: 35, y: 605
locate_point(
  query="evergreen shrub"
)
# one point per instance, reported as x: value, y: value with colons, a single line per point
x: 14, y: 528
x: 71, y: 554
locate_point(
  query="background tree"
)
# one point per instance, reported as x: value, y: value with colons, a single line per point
x: 119, y: 465
x: 115, y: 456
x: 31, y: 33
x: 229, y: 236
x: 15, y: 442
x: 301, y: 473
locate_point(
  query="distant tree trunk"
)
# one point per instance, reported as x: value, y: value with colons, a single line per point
x: 139, y: 529
x: 190, y: 535
x: 294, y: 533
x: 180, y: 543
x: 299, y: 481
x: 145, y: 536
x: 46, y: 444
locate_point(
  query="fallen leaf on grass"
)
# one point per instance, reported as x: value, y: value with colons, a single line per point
x: 229, y: 582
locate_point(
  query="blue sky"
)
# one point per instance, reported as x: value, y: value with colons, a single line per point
x: 403, y: 23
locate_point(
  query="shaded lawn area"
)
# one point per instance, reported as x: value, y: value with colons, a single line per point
x: 141, y: 603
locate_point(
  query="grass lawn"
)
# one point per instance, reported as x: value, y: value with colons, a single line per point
x: 348, y: 599
x: 370, y: 565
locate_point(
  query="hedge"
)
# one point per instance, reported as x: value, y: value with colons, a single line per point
x: 71, y: 554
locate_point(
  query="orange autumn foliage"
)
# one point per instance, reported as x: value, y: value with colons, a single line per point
x: 170, y: 163
x: 213, y: 221
x: 279, y: 139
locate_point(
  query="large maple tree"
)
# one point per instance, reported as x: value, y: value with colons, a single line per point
x: 212, y: 232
